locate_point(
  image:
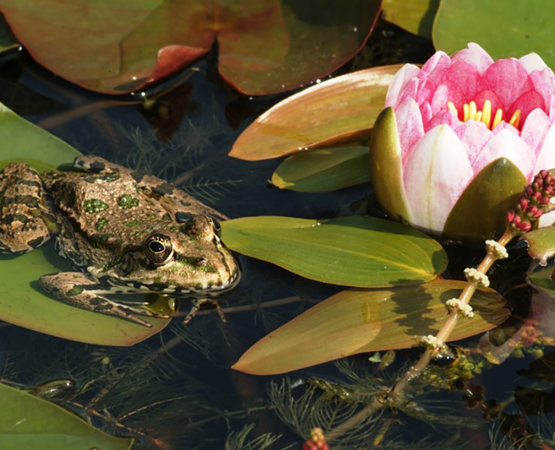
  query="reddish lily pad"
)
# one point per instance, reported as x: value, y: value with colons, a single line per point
x: 264, y: 46
x: 360, y: 321
x: 337, y: 110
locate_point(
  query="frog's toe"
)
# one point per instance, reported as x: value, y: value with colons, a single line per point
x: 83, y: 291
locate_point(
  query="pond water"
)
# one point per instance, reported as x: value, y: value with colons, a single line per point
x: 176, y: 389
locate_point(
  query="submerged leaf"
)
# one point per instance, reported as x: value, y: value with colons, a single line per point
x: 263, y: 46
x: 360, y: 321
x: 337, y: 110
x: 324, y: 170
x: 22, y: 301
x: 349, y: 251
x: 30, y: 422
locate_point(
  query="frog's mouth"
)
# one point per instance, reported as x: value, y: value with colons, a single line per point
x: 137, y: 287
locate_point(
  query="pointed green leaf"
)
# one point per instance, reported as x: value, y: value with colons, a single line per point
x: 360, y: 321
x: 480, y: 212
x: 416, y: 16
x: 349, y: 251
x: 324, y: 170
x: 386, y: 168
x: 510, y: 28
x: 541, y: 243
x: 337, y: 110
x: 30, y: 422
x: 22, y: 301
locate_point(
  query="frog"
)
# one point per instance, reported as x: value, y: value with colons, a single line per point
x: 124, y: 231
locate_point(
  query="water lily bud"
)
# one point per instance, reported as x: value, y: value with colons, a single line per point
x: 460, y: 138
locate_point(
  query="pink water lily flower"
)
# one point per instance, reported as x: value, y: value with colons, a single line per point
x: 460, y: 137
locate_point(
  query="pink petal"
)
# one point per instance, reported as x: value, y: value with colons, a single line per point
x: 447, y: 91
x: 532, y: 62
x: 409, y: 90
x: 544, y: 83
x: 504, y: 126
x: 425, y: 91
x: 546, y: 155
x: 445, y: 117
x: 409, y: 123
x: 426, y: 112
x: 474, y: 136
x: 406, y: 72
x: 535, y: 129
x: 508, y: 79
x: 466, y: 76
x: 487, y: 94
x: 508, y: 145
x: 435, y: 174
x: 527, y: 102
x: 474, y: 55
x: 434, y: 68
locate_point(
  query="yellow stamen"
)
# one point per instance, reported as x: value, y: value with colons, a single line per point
x: 452, y: 108
x: 486, y: 113
x: 497, y: 119
x: 515, y: 118
x: 478, y: 116
x: 472, y: 114
x: 466, y: 110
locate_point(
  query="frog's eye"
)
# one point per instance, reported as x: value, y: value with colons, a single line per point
x: 158, y: 249
x: 216, y: 225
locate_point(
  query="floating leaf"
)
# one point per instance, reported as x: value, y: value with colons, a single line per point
x: 349, y: 251
x: 324, y: 170
x: 7, y: 39
x: 416, y: 16
x: 360, y: 321
x: 337, y: 110
x: 264, y: 46
x: 22, y: 301
x: 542, y: 280
x: 541, y: 243
x: 504, y: 30
x: 30, y: 422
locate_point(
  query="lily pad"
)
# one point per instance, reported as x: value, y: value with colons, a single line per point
x: 504, y: 30
x: 324, y: 170
x: 264, y: 46
x: 361, y: 321
x: 349, y: 251
x: 416, y: 16
x: 22, y: 302
x: 31, y: 422
x: 338, y: 110
x: 541, y: 243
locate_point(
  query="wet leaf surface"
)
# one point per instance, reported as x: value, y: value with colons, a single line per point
x: 360, y: 321
x: 22, y: 301
x: 263, y: 46
x: 31, y: 422
x: 349, y: 251
x: 337, y: 110
x: 324, y: 170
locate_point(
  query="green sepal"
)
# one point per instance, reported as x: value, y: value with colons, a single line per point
x: 386, y: 166
x: 480, y: 212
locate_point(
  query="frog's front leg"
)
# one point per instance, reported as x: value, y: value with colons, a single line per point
x: 84, y: 291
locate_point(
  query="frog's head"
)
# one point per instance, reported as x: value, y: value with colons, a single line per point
x: 182, y: 259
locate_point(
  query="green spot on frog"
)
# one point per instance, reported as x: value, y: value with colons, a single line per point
x: 75, y: 290
x: 132, y: 223
x: 126, y: 201
x: 94, y: 205
x: 100, y: 224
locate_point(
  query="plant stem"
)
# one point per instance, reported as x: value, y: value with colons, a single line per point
x: 443, y: 335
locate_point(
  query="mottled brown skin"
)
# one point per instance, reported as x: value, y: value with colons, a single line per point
x: 126, y: 231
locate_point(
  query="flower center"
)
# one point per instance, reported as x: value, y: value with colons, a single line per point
x: 470, y: 112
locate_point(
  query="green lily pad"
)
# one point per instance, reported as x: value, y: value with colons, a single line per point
x: 361, y: 321
x: 507, y: 29
x: 263, y: 46
x: 543, y: 279
x: 324, y: 170
x: 341, y: 109
x: 7, y: 39
x: 416, y: 16
x: 22, y: 302
x: 349, y: 251
x: 33, y: 423
x: 541, y: 243
x: 481, y: 211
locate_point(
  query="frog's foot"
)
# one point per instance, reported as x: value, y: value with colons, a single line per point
x: 197, y: 303
x: 84, y: 291
x: 25, y: 221
x: 97, y: 164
